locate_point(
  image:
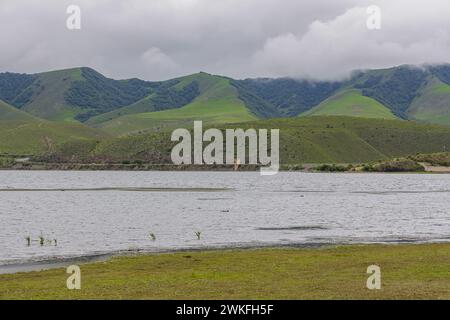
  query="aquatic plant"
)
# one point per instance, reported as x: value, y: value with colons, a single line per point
x: 28, y: 239
x: 55, y: 241
x: 199, y: 235
x: 41, y: 239
x: 152, y: 236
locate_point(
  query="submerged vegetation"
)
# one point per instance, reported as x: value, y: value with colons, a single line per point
x: 41, y: 240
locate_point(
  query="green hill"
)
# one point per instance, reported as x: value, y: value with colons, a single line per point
x: 302, y: 140
x: 217, y: 102
x: 169, y: 95
x: 433, y: 104
x: 8, y: 112
x: 31, y: 137
x: 283, y: 97
x: 70, y: 95
x: 47, y: 95
x: 395, y: 88
x: 399, y: 89
x: 351, y: 103
x: 133, y: 105
x: 22, y: 133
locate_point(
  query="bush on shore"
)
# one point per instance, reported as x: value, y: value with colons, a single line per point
x: 395, y: 165
x: 332, y: 168
x: 6, y: 162
x: 434, y: 159
x: 292, y: 167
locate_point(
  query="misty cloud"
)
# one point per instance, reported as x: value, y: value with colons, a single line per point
x: 160, y: 39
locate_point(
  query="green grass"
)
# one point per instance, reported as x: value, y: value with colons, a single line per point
x: 433, y: 105
x: 353, y: 104
x: 407, y: 272
x: 140, y: 106
x: 302, y: 140
x: 207, y: 83
x: 48, y: 103
x: 441, y: 88
x: 28, y: 137
x: 442, y: 119
x: 67, y: 115
x: 218, y: 103
x: 8, y: 112
x: 217, y: 111
x: 350, y: 140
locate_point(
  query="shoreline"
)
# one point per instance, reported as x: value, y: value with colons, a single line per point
x: 304, y: 168
x: 56, y: 263
x: 408, y: 271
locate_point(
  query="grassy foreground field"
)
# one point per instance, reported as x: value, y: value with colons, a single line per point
x: 407, y: 272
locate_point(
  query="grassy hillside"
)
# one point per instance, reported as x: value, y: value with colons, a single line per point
x: 15, y: 88
x: 283, y: 97
x: 171, y: 94
x: 71, y: 94
x: 395, y: 88
x: 31, y: 137
x: 217, y: 102
x: 47, y: 95
x: 398, y: 89
x: 351, y: 103
x: 303, y: 140
x: 8, y: 112
x: 96, y: 94
x: 433, y: 104
x: 84, y: 95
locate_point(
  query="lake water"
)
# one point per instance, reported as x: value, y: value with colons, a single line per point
x: 240, y: 209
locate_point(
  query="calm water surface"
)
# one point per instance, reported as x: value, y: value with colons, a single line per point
x: 289, y: 208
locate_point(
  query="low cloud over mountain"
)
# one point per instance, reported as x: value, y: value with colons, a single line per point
x: 159, y: 39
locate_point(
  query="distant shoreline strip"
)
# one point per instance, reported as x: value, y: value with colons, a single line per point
x: 127, y: 189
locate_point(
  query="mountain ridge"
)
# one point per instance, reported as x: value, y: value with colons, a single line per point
x: 84, y: 95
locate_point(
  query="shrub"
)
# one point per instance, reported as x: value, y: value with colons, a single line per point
x: 331, y: 168
x: 395, y: 165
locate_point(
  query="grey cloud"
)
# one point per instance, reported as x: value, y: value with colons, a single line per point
x: 160, y: 39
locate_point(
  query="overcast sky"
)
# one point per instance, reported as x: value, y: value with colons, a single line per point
x: 161, y: 39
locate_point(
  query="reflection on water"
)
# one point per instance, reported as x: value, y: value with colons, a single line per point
x: 92, y: 213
